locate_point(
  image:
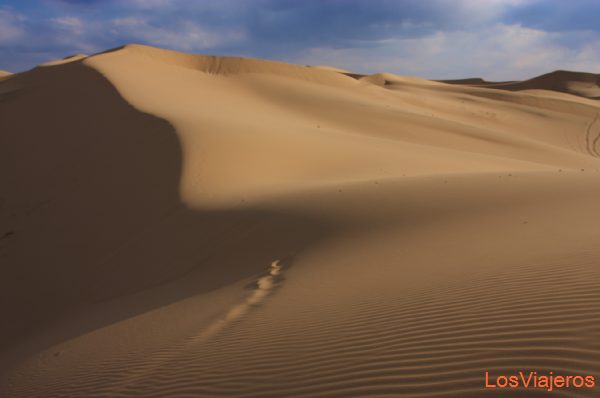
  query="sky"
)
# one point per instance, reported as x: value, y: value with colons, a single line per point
x: 435, y: 39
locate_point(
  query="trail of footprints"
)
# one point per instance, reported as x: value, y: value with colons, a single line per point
x: 123, y: 375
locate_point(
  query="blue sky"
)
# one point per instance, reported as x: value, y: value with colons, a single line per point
x: 494, y: 39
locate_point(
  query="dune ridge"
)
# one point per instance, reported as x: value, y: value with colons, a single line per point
x: 219, y: 226
x: 227, y: 66
x: 65, y: 60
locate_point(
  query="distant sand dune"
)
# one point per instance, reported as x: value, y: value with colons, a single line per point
x: 582, y: 84
x: 329, y: 68
x: 425, y: 232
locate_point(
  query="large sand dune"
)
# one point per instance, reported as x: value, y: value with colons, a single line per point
x: 176, y: 225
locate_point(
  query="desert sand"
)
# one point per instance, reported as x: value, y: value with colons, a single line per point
x: 178, y: 225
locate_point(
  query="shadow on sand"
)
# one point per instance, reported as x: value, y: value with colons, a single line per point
x: 90, y: 209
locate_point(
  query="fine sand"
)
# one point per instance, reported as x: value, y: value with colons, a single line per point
x: 174, y: 225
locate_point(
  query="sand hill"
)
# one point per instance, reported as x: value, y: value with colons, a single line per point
x: 472, y: 81
x: 178, y: 225
x: 585, y: 85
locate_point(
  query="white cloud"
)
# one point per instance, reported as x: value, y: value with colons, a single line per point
x: 74, y: 33
x: 73, y: 25
x: 129, y: 22
x: 151, y: 3
x: 10, y: 27
x: 187, y: 35
x: 499, y: 52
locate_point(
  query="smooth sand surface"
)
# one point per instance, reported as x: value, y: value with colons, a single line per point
x: 176, y: 225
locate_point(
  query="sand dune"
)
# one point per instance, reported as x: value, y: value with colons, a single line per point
x: 65, y: 60
x: 329, y: 68
x: 179, y: 225
x: 577, y: 83
x: 471, y: 80
x: 474, y: 81
x: 585, y: 85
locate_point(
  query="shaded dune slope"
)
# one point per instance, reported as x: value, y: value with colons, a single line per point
x: 95, y: 192
x: 472, y: 81
x: 249, y: 228
x: 387, y: 318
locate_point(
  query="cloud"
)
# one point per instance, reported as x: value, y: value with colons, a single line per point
x: 499, y: 52
x: 72, y: 25
x: 79, y: 2
x: 11, y: 28
x: 73, y: 33
x: 187, y: 35
x: 151, y: 3
x: 435, y: 38
x: 556, y: 15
